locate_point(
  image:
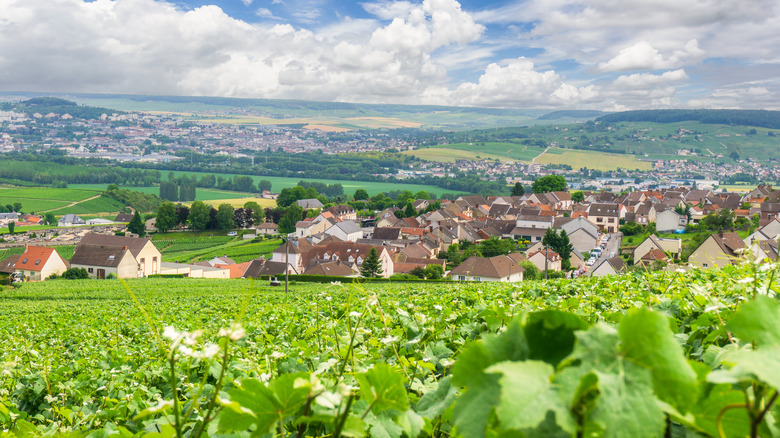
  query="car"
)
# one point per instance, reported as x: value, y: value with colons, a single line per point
x: 590, y: 261
x: 232, y: 233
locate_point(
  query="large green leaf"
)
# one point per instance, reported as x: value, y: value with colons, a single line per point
x: 626, y: 407
x: 383, y: 389
x: 434, y: 403
x: 757, y: 321
x: 550, y: 334
x: 735, y: 422
x: 527, y: 396
x: 648, y: 341
x: 254, y: 403
x: 473, y: 408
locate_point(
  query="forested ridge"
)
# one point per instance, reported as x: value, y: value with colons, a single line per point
x: 759, y: 118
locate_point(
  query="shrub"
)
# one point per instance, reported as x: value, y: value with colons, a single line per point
x: 75, y: 274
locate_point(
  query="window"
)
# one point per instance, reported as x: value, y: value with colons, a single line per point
x: 90, y: 270
x: 24, y: 261
x: 143, y: 260
x: 37, y: 262
x: 704, y: 265
x: 154, y: 259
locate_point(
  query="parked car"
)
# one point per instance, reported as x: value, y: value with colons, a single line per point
x: 232, y: 233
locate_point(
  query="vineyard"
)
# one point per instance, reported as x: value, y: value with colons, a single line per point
x: 645, y: 355
x: 191, y: 249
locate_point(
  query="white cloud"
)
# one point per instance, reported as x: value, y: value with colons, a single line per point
x: 643, y: 56
x: 515, y: 83
x: 388, y: 10
x: 247, y: 2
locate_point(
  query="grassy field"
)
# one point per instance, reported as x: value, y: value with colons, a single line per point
x: 449, y: 153
x: 592, y: 160
x: 40, y: 199
x: 92, y: 206
x: 193, y: 247
x: 201, y: 193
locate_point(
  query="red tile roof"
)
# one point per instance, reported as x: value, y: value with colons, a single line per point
x: 34, y: 258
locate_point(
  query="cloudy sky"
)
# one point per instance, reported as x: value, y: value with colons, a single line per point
x: 599, y: 54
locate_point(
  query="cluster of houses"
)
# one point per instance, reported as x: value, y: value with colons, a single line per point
x: 336, y: 243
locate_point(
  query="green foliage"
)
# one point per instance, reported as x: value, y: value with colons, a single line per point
x: 225, y: 214
x: 577, y: 196
x: 137, y: 200
x: 371, y: 265
x: 199, y: 215
x: 75, y: 274
x: 137, y: 225
x: 518, y: 189
x: 761, y: 118
x: 293, y: 215
x: 166, y: 216
x: 549, y: 183
x: 360, y: 195
x: 559, y: 242
x: 11, y: 226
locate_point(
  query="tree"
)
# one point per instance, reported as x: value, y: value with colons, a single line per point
x: 75, y: 274
x: 242, y: 217
x: 255, y: 211
x: 418, y: 271
x: 434, y: 272
x: 410, y: 211
x: 287, y: 223
x: 17, y: 207
x: 559, y: 243
x: 531, y: 271
x: 549, y: 183
x: 137, y: 225
x: 50, y: 219
x: 685, y: 211
x: 371, y: 266
x: 169, y: 191
x: 263, y: 185
x: 422, y: 194
x: 182, y: 214
x: 518, y: 190
x: 11, y: 226
x: 199, y: 215
x: 360, y: 195
x: 495, y: 246
x: 225, y: 215
x: 578, y: 196
x: 166, y: 216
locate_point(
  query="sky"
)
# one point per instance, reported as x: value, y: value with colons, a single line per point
x: 608, y: 55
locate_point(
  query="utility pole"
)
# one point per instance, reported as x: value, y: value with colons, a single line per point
x: 546, y: 255
x: 286, y: 264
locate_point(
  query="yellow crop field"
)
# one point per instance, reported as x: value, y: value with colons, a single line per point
x: 446, y: 155
x: 326, y: 128
x: 322, y: 123
x: 239, y: 202
x: 592, y: 160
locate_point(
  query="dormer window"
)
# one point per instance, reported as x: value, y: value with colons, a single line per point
x: 37, y: 262
x: 25, y: 261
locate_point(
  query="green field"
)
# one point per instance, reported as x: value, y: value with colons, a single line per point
x: 278, y: 183
x: 178, y: 247
x: 40, y: 199
x: 592, y: 160
x: 449, y: 153
x: 644, y: 355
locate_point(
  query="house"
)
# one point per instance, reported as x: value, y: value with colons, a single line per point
x: 102, y: 261
x: 553, y: 263
x: 102, y: 254
x: 194, y: 271
x: 610, y: 266
x: 346, y: 231
x: 769, y: 231
x: 37, y: 263
x: 349, y: 252
x: 291, y: 253
x: 498, y: 268
x: 605, y: 216
x: 69, y: 220
x: 668, y: 221
x: 343, y: 212
x: 308, y: 204
x: 7, y: 264
x: 267, y: 228
x: 123, y: 217
x: 651, y: 257
x: 718, y: 250
x: 765, y: 250
x: 99, y: 221
x: 653, y: 242
x: 333, y: 269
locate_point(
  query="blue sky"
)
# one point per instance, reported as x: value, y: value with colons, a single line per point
x: 587, y: 54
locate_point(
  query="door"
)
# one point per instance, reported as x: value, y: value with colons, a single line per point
x: 101, y: 273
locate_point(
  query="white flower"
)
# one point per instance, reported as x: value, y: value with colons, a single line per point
x: 746, y: 280
x: 171, y: 333
x: 277, y: 355
x: 335, y: 283
x: 264, y: 377
x: 235, y: 332
x: 373, y: 301
x: 353, y: 313
x: 437, y: 307
x: 389, y: 339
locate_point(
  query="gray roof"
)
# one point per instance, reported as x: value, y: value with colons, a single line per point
x: 97, y: 255
x: 134, y: 244
x: 71, y: 219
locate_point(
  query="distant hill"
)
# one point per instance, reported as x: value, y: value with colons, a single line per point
x: 759, y: 118
x: 56, y: 105
x: 572, y: 114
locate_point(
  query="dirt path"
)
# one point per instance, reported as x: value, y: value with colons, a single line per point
x: 69, y: 205
x: 546, y: 149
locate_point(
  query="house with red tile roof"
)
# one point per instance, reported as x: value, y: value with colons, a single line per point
x: 37, y: 263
